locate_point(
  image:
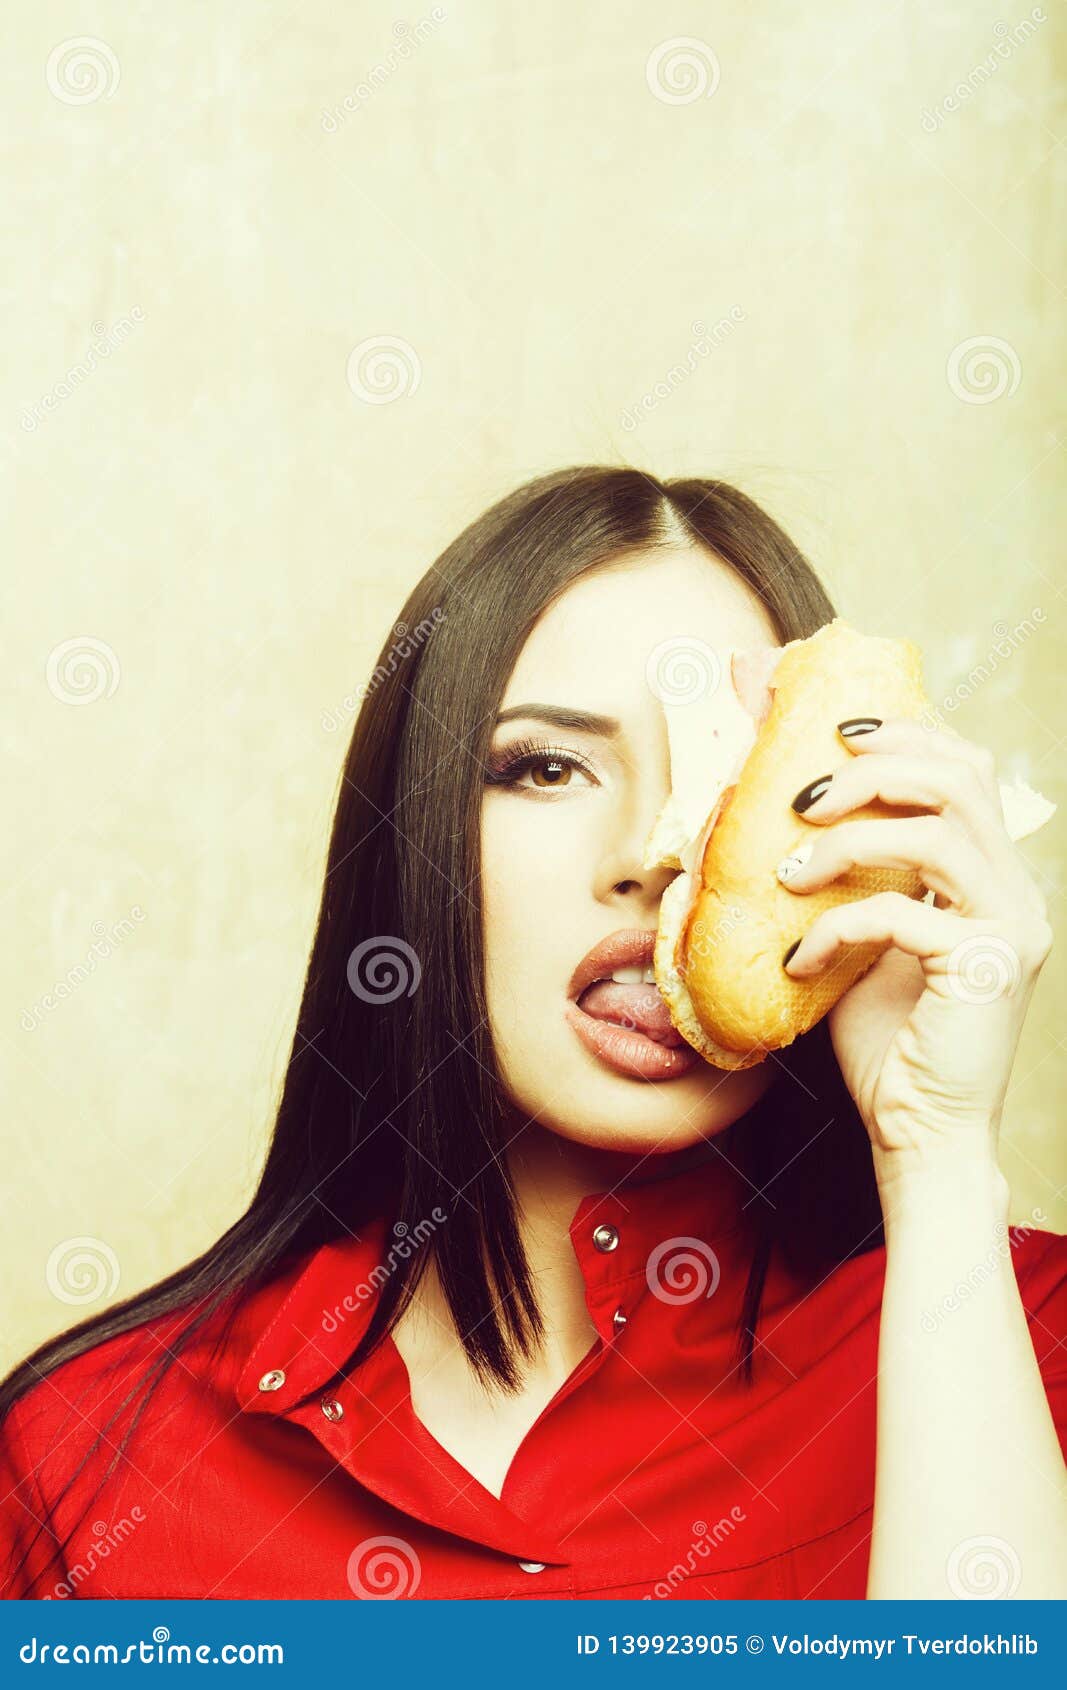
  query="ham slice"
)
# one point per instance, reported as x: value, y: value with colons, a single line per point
x: 752, y: 673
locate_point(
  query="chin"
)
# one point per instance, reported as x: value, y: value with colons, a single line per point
x: 593, y: 1106
x: 636, y: 1137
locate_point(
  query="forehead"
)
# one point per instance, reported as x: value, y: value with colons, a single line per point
x: 594, y: 644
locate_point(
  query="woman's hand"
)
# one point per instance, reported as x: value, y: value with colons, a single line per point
x: 926, y: 1041
x: 927, y: 1038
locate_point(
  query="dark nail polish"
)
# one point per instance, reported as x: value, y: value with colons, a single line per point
x: 791, y: 952
x: 804, y: 800
x: 858, y: 725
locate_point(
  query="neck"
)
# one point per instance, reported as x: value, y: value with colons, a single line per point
x: 550, y: 1175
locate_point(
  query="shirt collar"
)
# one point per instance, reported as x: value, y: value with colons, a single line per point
x: 668, y: 1236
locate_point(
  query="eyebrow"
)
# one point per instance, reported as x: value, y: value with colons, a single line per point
x: 577, y: 721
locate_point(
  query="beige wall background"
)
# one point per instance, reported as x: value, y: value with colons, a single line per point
x: 813, y: 250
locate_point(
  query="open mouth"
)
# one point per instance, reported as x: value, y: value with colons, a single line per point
x: 615, y: 1008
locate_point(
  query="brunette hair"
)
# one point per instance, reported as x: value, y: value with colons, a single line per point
x: 384, y: 1089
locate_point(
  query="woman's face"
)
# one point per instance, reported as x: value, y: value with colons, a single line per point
x: 565, y: 819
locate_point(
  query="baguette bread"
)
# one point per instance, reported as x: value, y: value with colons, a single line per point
x: 724, y: 929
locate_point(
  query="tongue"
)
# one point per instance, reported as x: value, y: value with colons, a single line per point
x: 638, y: 1007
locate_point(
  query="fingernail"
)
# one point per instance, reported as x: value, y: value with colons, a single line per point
x: 858, y: 725
x: 811, y: 794
x: 790, y: 866
x: 791, y: 953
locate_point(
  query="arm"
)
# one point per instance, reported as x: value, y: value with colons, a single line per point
x: 971, y: 1490
x: 29, y: 1564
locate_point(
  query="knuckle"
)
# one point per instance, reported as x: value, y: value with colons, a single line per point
x: 885, y: 906
x: 1032, y: 898
x: 969, y: 784
x: 1040, y: 942
x: 933, y: 833
x: 841, y: 846
x: 1036, y: 904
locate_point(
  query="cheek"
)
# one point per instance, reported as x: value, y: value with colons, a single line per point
x: 535, y: 883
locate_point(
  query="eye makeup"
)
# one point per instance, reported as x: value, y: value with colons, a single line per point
x: 507, y: 766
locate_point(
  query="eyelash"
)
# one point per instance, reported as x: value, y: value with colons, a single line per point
x: 519, y: 759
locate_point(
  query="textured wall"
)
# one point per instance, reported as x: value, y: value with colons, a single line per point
x: 836, y: 225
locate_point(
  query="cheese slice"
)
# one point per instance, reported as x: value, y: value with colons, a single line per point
x: 709, y: 739
x: 1024, y: 809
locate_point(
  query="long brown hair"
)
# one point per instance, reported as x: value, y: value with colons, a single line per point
x: 385, y: 1088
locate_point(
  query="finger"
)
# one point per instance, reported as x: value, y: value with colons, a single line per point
x: 952, y: 947
x: 943, y: 785
x: 901, y: 734
x: 948, y: 863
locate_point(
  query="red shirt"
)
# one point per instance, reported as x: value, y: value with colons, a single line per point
x: 653, y: 1472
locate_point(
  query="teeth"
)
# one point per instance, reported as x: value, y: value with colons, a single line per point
x: 628, y: 976
x: 649, y: 976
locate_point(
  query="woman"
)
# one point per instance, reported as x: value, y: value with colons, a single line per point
x: 530, y: 1301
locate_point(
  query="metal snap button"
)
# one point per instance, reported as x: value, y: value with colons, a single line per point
x: 332, y: 1409
x: 618, y: 1320
x: 533, y: 1566
x: 605, y: 1237
x: 272, y: 1381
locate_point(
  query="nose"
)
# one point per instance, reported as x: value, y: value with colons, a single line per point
x: 644, y: 891
x: 621, y: 877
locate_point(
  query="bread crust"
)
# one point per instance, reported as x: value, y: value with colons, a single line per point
x: 719, y: 949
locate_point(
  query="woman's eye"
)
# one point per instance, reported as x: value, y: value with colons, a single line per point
x: 538, y: 769
x: 552, y: 771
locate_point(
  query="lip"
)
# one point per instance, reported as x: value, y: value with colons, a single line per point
x: 629, y: 947
x: 630, y: 1053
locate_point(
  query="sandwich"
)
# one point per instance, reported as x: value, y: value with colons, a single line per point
x: 738, y: 757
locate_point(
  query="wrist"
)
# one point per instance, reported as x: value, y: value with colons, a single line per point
x: 941, y: 1184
